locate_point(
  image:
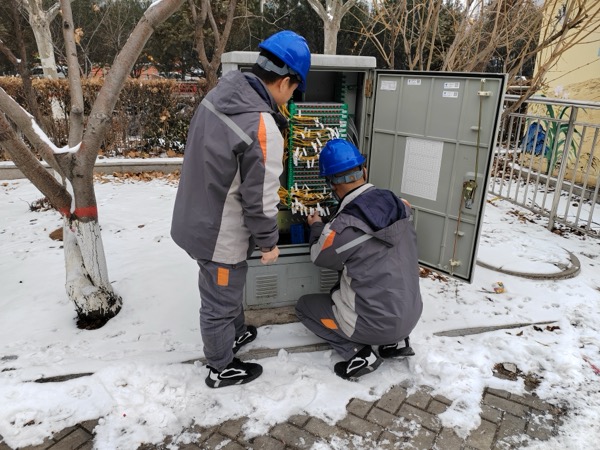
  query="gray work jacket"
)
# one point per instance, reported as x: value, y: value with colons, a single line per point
x: 228, y: 192
x: 371, y: 242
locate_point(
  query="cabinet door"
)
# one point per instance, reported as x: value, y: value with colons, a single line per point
x: 431, y: 142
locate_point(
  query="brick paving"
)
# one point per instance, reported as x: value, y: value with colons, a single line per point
x: 395, y: 421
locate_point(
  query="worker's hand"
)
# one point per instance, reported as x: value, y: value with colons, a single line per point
x: 270, y: 257
x: 314, y: 217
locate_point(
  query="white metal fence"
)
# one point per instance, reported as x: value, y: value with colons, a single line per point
x: 548, y: 160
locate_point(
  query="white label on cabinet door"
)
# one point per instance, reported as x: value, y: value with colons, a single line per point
x: 413, y: 82
x: 450, y: 94
x: 387, y: 85
x: 452, y: 85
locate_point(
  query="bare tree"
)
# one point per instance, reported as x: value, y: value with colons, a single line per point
x: 87, y: 282
x: 499, y: 24
x: 331, y: 13
x: 207, y: 23
x: 480, y: 30
x: 413, y: 25
x: 525, y: 30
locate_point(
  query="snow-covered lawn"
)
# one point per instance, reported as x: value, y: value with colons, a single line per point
x: 143, y: 392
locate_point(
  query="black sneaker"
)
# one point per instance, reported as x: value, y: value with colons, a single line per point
x: 237, y: 372
x: 395, y: 351
x: 245, y: 338
x: 363, y: 362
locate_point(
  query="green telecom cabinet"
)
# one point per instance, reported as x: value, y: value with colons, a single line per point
x: 427, y: 136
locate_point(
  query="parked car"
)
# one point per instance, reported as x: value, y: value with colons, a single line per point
x: 38, y: 71
x: 197, y: 72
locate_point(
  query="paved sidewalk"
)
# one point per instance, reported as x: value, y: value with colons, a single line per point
x: 395, y: 421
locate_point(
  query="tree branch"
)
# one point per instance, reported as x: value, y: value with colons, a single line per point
x: 318, y: 7
x: 53, y: 11
x: 76, y: 114
x: 32, y: 169
x: 25, y: 123
x: 211, y: 19
x: 348, y: 6
x: 225, y: 36
x: 101, y: 115
x: 8, y: 53
x: 199, y: 32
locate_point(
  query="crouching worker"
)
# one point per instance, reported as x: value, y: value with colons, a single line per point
x: 371, y: 242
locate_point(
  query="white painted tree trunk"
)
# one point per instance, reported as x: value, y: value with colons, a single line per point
x: 87, y: 281
x: 40, y: 20
x: 43, y: 39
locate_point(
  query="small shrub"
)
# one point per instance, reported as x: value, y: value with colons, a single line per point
x: 42, y: 204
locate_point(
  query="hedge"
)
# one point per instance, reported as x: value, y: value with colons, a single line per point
x: 150, y: 118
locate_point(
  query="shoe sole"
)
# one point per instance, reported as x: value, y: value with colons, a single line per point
x: 402, y: 353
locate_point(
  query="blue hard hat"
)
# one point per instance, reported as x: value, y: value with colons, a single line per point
x: 293, y: 50
x: 337, y: 156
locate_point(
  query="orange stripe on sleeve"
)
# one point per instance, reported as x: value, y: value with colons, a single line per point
x: 329, y: 323
x: 222, y: 276
x: 328, y: 240
x: 262, y: 138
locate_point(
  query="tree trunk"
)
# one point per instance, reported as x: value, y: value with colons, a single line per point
x: 331, y: 14
x: 87, y: 282
x: 211, y: 78
x: 40, y: 24
x: 330, y: 34
x: 221, y: 36
x: 45, y: 48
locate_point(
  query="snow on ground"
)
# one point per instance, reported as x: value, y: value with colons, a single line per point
x: 143, y: 392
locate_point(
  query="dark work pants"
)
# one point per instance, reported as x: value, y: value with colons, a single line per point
x: 221, y: 312
x: 316, y: 313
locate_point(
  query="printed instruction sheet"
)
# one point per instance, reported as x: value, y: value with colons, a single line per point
x: 422, y: 165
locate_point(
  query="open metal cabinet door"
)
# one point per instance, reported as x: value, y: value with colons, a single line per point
x: 431, y: 142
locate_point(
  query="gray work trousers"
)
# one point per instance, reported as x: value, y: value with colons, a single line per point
x: 316, y: 313
x: 221, y: 311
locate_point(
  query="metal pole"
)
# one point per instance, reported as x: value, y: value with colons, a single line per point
x: 563, y: 168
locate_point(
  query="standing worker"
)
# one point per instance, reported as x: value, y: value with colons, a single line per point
x: 227, y: 197
x: 371, y: 242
